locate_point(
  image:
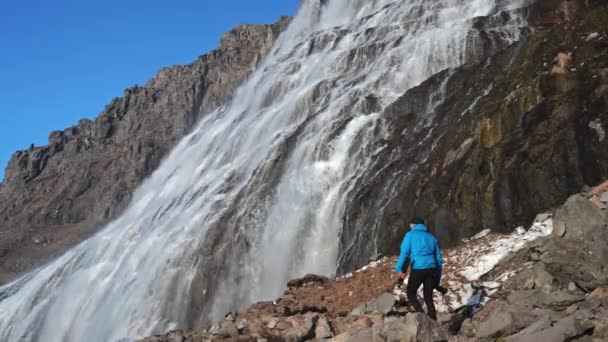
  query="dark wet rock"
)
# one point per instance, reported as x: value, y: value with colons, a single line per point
x: 506, y: 141
x: 87, y: 173
x: 308, y: 280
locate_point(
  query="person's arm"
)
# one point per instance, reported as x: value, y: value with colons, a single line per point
x: 439, y: 259
x: 404, y: 254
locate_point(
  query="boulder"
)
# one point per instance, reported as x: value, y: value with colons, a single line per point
x: 323, y: 329
x: 576, y: 253
x: 361, y: 335
x: 559, y: 300
x: 303, y: 328
x: 498, y: 323
x: 601, y: 293
x: 542, y: 278
x: 414, y: 327
x: 383, y: 304
x: 224, y: 329
x: 580, y: 218
x: 359, y: 310
x: 563, y: 330
x: 467, y: 328
x: 505, y: 320
x: 542, y: 324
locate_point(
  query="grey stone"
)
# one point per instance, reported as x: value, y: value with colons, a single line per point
x: 224, y: 329
x: 560, y: 299
x: 467, y: 328
x: 383, y: 304
x: 360, y: 335
x: 273, y: 323
x: 601, y: 331
x: 543, y: 323
x: 376, y: 257
x: 542, y: 278
x: 241, y: 324
x: 359, y: 310
x: 604, y: 197
x: 498, y: 323
x: 414, y: 327
x: 559, y: 229
x: 506, y: 319
x: 563, y: 330
x: 579, y: 255
x: 543, y: 217
x: 302, y: 328
x: 571, y: 309
x: 323, y: 329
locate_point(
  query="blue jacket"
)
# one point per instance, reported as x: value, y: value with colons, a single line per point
x: 422, y: 248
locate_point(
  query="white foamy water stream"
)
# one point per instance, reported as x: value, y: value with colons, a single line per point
x: 255, y: 194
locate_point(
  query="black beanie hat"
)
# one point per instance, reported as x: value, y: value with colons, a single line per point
x: 416, y: 220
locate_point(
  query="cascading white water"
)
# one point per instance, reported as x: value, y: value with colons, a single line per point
x: 255, y: 194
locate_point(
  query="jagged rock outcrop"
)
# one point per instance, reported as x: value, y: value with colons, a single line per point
x: 560, y: 293
x: 509, y: 137
x: 56, y: 195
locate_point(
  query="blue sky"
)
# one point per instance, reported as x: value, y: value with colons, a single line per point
x: 64, y: 60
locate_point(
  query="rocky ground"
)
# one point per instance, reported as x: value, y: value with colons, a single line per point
x: 546, y: 283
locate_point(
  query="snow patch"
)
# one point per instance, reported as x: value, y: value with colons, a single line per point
x: 499, y: 249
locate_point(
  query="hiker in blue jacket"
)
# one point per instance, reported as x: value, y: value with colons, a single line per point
x: 422, y: 249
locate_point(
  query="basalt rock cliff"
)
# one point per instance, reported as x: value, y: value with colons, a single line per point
x: 513, y: 135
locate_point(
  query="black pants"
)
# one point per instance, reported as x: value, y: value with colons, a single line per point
x: 428, y: 277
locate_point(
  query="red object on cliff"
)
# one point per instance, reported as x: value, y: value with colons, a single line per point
x: 547, y: 22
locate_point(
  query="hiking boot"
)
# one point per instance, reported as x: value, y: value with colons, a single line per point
x: 441, y: 289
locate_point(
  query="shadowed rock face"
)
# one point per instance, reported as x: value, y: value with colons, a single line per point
x: 510, y: 137
x: 56, y: 195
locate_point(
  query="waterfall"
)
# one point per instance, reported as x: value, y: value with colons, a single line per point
x: 255, y: 194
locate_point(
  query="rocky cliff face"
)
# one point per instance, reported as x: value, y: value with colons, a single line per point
x: 56, y: 195
x: 513, y: 135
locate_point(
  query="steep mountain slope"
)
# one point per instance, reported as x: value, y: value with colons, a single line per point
x: 333, y: 147
x: 510, y: 136
x: 56, y: 195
